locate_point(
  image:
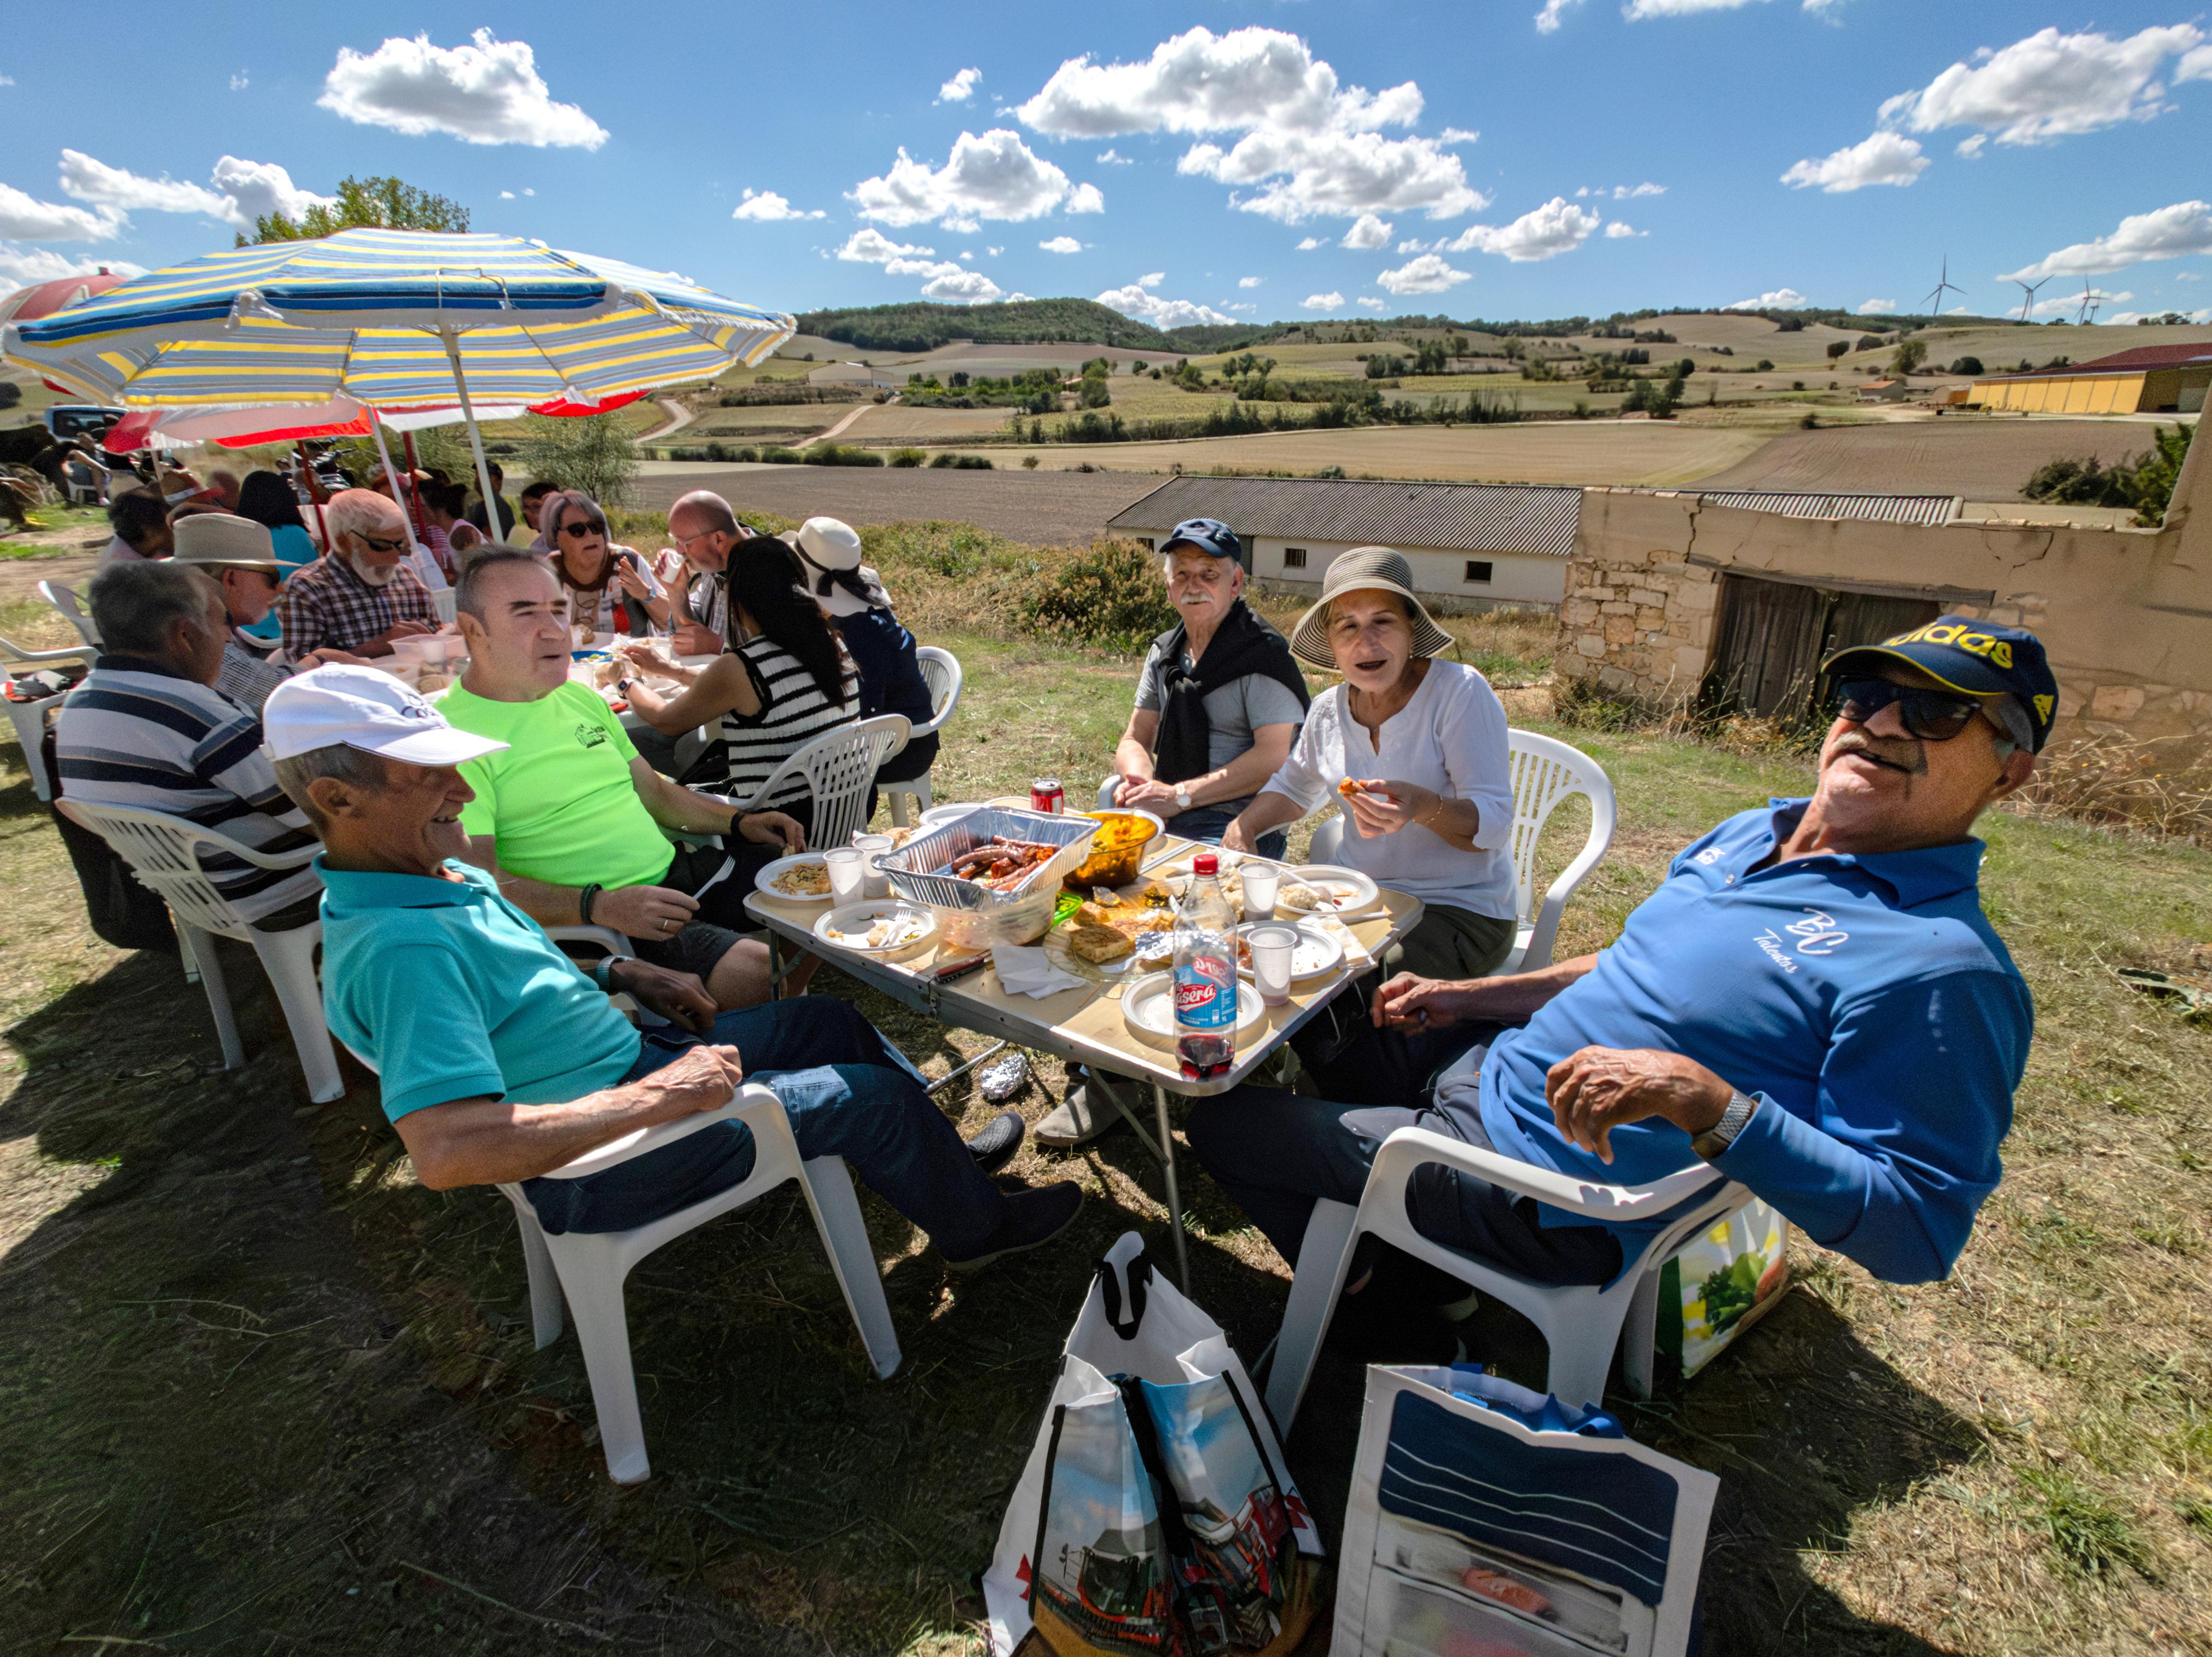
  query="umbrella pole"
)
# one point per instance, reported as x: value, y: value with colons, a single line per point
x: 469, y: 418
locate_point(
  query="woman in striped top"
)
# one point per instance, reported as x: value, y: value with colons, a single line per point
x: 785, y: 680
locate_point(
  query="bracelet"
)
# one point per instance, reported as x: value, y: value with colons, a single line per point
x: 585, y: 901
x: 602, y: 973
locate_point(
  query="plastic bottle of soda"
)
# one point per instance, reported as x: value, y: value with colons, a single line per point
x: 1205, y: 975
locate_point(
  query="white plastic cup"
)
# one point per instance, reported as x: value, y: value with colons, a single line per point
x: 848, y: 877
x: 1273, y: 946
x: 1261, y: 880
x: 871, y: 847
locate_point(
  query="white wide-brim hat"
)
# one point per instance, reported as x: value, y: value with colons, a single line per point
x: 1365, y: 569
x: 361, y: 708
x: 829, y: 551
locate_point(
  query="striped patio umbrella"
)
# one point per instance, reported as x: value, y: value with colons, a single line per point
x: 393, y: 320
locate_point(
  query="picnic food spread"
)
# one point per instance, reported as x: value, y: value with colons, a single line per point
x: 804, y: 880
x: 1004, y: 865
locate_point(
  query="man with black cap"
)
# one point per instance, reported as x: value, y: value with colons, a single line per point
x: 1811, y: 1002
x: 1220, y: 700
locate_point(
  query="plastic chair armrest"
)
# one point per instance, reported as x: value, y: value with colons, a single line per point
x: 15, y: 652
x: 1407, y: 1149
x: 605, y: 936
x: 752, y: 1105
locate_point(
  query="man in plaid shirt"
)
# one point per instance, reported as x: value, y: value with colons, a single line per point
x: 359, y: 596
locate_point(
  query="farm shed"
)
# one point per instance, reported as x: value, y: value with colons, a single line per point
x: 2150, y: 379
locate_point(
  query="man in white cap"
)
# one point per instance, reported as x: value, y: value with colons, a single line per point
x: 500, y: 1060
x: 852, y: 596
x: 147, y: 729
x: 238, y: 557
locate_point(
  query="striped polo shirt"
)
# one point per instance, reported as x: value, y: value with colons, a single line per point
x: 793, y: 712
x: 136, y: 734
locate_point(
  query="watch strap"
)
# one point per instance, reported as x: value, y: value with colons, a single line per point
x: 1716, y: 1139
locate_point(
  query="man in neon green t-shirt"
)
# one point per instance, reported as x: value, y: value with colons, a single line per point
x: 568, y: 816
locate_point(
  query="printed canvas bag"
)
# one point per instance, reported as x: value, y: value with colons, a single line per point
x: 1719, y: 1283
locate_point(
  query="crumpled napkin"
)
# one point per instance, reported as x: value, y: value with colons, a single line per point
x: 1027, y: 971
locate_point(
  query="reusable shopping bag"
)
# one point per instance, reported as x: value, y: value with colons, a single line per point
x: 1719, y: 1283
x: 1155, y: 1514
x: 1487, y: 1520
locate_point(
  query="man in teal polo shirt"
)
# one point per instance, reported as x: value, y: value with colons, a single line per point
x: 502, y: 1060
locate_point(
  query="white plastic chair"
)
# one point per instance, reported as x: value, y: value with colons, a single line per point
x: 29, y: 718
x: 1581, y: 1325
x: 64, y: 599
x: 839, y: 766
x: 164, y: 851
x: 942, y: 671
x: 1545, y: 772
x: 586, y: 1270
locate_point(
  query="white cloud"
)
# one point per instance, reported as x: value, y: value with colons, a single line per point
x: 1557, y: 226
x: 869, y: 245
x: 1878, y: 307
x: 1114, y: 158
x: 1138, y: 300
x: 1019, y: 298
x: 1882, y: 158
x: 1415, y: 245
x: 7, y: 80
x: 1240, y: 309
x: 2065, y: 303
x: 1427, y: 275
x: 995, y: 176
x: 2196, y: 64
x: 20, y: 267
x: 768, y: 208
x: 258, y: 189
x: 2051, y: 85
x: 1547, y: 21
x: 25, y: 217
x: 1637, y: 10
x: 2189, y: 276
x: 960, y: 87
x: 1328, y: 302
x: 529, y: 193
x: 1369, y: 303
x: 2174, y: 232
x: 1249, y: 282
x: 959, y: 287
x: 1310, y: 144
x: 244, y: 190
x: 1309, y: 244
x: 2130, y: 317
x: 1367, y: 234
x: 487, y: 92
x: 1782, y: 299
x: 1062, y: 245
x: 993, y: 253
x: 1826, y: 9
x: 238, y: 82
x: 507, y: 195
x: 1459, y: 135
x: 1967, y: 149
x: 1617, y: 231
x: 1628, y: 191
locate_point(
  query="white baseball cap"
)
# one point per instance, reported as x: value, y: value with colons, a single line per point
x: 363, y: 708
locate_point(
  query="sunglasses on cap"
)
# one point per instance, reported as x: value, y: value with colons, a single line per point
x: 1933, y: 716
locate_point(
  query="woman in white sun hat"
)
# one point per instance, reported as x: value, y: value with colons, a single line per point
x: 852, y: 596
x: 1421, y: 743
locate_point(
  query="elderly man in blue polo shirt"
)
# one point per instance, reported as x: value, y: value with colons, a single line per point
x: 1811, y: 1002
x: 501, y: 1060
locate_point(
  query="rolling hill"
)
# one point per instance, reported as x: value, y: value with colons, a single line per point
x: 923, y: 328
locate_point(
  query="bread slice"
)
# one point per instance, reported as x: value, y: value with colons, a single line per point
x: 1097, y: 944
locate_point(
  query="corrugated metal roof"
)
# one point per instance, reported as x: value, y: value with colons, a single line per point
x: 1873, y: 508
x: 1460, y: 517
x: 2149, y: 357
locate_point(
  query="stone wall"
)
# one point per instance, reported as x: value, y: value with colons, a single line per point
x: 2125, y: 614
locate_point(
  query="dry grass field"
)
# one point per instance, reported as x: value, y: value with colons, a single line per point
x: 1981, y: 458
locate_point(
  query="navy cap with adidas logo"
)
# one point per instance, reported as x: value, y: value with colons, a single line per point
x: 1975, y: 658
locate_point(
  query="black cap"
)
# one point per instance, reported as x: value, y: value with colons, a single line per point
x: 1975, y: 658
x: 1209, y: 535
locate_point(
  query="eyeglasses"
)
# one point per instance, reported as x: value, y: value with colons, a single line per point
x: 581, y: 526
x: 1931, y: 715
x: 375, y: 545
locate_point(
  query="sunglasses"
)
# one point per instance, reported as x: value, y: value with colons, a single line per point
x: 375, y: 545
x: 1931, y: 715
x: 581, y: 526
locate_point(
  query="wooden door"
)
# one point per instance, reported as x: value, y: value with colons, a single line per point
x: 1771, y: 636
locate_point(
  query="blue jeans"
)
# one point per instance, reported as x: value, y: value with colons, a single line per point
x: 847, y: 1092
x: 1207, y: 822
x: 1276, y: 1152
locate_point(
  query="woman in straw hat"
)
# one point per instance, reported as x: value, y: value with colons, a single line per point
x: 1422, y: 745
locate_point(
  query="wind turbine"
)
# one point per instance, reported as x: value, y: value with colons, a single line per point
x: 2090, y: 300
x: 1943, y: 284
x: 2029, y: 293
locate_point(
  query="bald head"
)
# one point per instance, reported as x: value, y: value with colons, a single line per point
x: 703, y: 526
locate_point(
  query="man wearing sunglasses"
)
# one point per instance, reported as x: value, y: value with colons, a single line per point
x: 1813, y: 1001
x: 360, y: 596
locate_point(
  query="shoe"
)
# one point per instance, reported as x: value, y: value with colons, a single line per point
x: 1031, y: 1217
x: 1077, y: 1120
x: 995, y: 1147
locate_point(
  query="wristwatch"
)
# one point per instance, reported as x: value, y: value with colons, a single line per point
x: 1182, y: 797
x: 1722, y: 1134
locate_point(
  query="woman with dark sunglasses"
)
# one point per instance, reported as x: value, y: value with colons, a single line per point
x: 609, y: 587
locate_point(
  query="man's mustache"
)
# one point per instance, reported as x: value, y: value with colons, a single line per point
x: 1910, y: 756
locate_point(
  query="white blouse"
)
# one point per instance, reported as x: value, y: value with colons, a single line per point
x: 1450, y: 737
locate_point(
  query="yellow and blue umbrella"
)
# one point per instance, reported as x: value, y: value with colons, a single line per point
x: 394, y: 319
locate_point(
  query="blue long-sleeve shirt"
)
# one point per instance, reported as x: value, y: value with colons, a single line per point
x: 1864, y: 1001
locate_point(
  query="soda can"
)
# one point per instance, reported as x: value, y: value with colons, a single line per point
x: 1045, y: 795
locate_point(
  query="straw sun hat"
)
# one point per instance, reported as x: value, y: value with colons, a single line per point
x: 1365, y: 569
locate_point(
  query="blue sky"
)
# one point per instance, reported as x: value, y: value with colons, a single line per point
x: 1268, y: 160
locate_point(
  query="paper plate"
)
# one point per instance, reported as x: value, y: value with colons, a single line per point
x: 1317, y: 951
x: 1355, y: 892
x: 849, y: 927
x: 764, y: 882
x: 1132, y: 964
x: 1148, y: 1008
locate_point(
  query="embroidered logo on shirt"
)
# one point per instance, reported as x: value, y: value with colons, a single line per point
x: 1709, y: 856
x: 590, y: 736
x: 1816, y: 934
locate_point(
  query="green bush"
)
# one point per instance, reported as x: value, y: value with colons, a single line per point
x: 840, y: 454
x: 776, y: 455
x: 908, y: 457
x: 948, y: 460
x: 1111, y: 595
